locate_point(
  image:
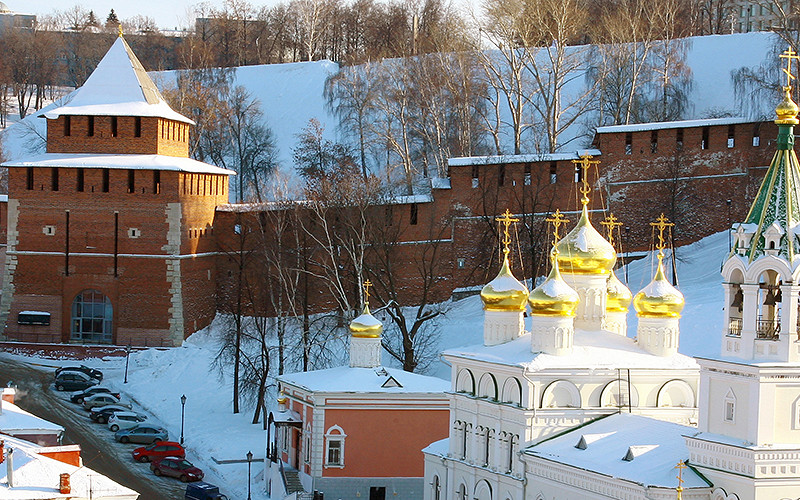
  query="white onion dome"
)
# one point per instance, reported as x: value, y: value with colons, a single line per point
x: 659, y: 299
x: 618, y: 296
x: 366, y: 325
x: 554, y: 297
x: 505, y: 292
x: 584, y: 250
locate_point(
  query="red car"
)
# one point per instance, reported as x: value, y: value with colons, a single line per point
x: 159, y: 449
x: 176, y: 467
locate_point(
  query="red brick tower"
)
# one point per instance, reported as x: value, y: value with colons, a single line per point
x: 110, y: 231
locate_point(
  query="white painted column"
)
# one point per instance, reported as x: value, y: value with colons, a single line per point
x: 592, y: 291
x: 552, y: 334
x: 500, y: 327
x: 749, y: 318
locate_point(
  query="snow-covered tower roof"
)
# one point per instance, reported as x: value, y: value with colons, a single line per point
x: 119, y: 86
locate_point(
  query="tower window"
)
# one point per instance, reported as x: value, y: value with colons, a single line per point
x: 54, y: 178
x: 137, y: 127
x: 414, y: 213
x: 527, y: 180
x: 80, y: 180
x: 90, y: 126
x: 628, y: 143
x: 553, y: 172
x: 731, y: 135
x: 156, y: 181
x: 757, y: 135
x: 29, y: 178
x: 475, y: 181
x: 113, y: 126
x: 105, y: 180
x: 67, y: 126
x: 131, y: 181
x: 704, y: 142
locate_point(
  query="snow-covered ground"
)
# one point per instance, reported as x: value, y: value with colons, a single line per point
x: 291, y: 94
x: 157, y: 378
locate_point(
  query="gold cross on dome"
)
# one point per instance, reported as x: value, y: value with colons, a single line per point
x: 367, y: 284
x: 661, y: 223
x: 610, y: 223
x: 585, y: 162
x: 506, y: 220
x: 681, y: 465
x: 557, y: 220
x: 119, y: 30
x: 789, y: 54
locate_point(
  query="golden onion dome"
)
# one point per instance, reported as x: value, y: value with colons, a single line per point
x: 505, y: 292
x: 584, y: 251
x: 281, y: 398
x: 787, y: 110
x: 618, y: 297
x: 659, y: 299
x: 366, y: 325
x: 554, y: 297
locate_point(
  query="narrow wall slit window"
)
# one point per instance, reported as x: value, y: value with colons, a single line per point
x: 29, y: 178
x: 137, y: 127
x: 553, y: 172
x: 679, y: 138
x: 106, y: 175
x: 90, y: 126
x: 67, y: 126
x: 501, y: 175
x: 654, y: 141
x: 628, y: 143
x: 54, y: 178
x: 731, y: 135
x: 704, y: 142
x: 475, y: 181
x: 131, y: 181
x: 80, y: 180
x: 156, y: 181
x: 113, y: 126
x: 414, y: 213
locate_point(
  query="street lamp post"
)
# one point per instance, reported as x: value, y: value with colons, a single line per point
x: 249, y: 463
x: 183, y: 412
x: 127, y: 357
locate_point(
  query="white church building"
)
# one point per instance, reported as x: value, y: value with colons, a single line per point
x: 572, y: 408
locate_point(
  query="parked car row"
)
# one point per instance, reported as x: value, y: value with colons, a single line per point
x: 166, y: 458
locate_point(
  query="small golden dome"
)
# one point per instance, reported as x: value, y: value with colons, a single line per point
x: 281, y: 398
x: 554, y: 297
x: 505, y: 292
x: 618, y: 296
x: 366, y: 325
x: 584, y: 251
x: 659, y: 299
x: 787, y: 110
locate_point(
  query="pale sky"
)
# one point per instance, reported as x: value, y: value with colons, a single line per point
x: 167, y: 13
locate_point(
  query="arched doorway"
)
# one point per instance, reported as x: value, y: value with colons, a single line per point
x: 92, y: 318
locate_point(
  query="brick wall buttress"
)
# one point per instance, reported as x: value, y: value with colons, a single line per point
x: 10, y: 264
x: 173, y: 247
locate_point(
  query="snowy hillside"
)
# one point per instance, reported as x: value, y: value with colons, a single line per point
x: 291, y: 94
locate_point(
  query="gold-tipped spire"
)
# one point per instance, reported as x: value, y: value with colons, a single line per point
x: 119, y: 30
x: 585, y: 162
x: 659, y: 299
x: 366, y: 325
x: 679, y: 489
x: 505, y: 292
x: 554, y: 297
x: 787, y: 110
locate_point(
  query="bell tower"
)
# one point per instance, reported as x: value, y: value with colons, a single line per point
x: 750, y: 397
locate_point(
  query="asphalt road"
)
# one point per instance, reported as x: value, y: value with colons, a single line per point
x: 36, y: 394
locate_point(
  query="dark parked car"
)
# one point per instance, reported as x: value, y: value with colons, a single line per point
x: 142, y: 433
x: 101, y: 413
x: 176, y: 467
x: 95, y: 374
x: 203, y: 491
x: 73, y: 381
x: 78, y: 397
x: 159, y: 449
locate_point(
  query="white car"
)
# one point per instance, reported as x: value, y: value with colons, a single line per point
x: 124, y: 420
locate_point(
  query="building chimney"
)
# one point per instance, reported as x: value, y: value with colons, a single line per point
x: 10, y: 467
x: 63, y: 484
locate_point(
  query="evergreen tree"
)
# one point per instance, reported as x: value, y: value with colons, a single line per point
x: 92, y: 20
x: 112, y: 21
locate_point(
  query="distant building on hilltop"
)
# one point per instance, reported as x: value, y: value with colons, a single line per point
x: 14, y: 20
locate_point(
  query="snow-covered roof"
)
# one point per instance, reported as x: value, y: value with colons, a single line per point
x: 656, y: 448
x: 527, y: 158
x: 124, y: 162
x: 119, y: 86
x: 365, y: 380
x: 36, y: 477
x: 14, y: 419
x: 591, y: 350
x: 708, y: 122
x: 440, y: 447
